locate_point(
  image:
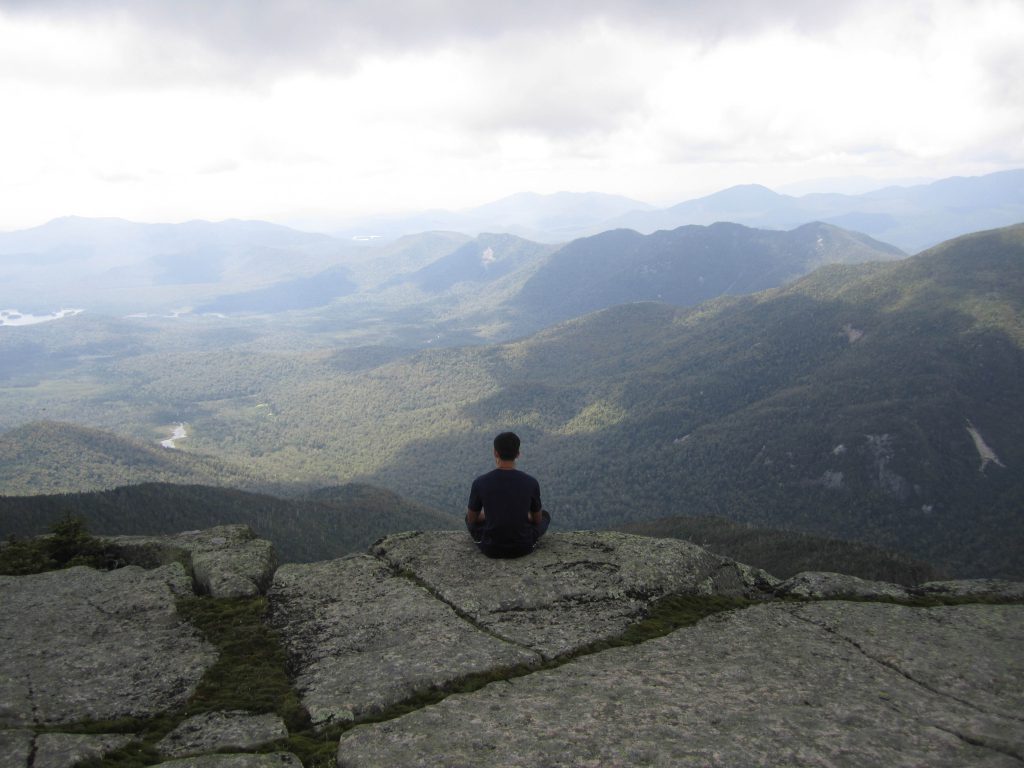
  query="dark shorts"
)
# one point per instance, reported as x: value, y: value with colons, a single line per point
x: 494, y: 549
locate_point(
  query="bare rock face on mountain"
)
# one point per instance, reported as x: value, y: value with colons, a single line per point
x: 222, y: 731
x: 244, y: 760
x: 821, y: 585
x: 367, y: 632
x: 87, y: 645
x: 65, y: 750
x: 773, y: 685
x: 575, y: 589
x: 82, y: 644
x: 360, y: 637
x: 225, y: 561
x: 811, y: 681
x: 15, y: 747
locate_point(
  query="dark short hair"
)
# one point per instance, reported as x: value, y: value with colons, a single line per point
x: 507, y: 446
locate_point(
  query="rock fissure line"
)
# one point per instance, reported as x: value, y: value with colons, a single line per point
x: 511, y: 674
x: 99, y: 609
x: 591, y: 565
x: 976, y: 742
x: 584, y: 610
x: 468, y: 618
x: 569, y: 600
x: 895, y: 668
x: 37, y: 719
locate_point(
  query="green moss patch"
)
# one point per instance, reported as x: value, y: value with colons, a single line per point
x: 250, y: 673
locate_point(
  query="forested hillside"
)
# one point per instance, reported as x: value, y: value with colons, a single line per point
x: 53, y: 456
x: 482, y: 260
x: 327, y: 524
x: 873, y: 402
x: 684, y: 266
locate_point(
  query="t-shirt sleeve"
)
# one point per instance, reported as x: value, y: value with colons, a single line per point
x: 535, y: 504
x: 475, y: 502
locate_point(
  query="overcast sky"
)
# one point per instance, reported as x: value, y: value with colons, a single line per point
x: 306, y: 110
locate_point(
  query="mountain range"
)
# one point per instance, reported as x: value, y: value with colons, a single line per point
x: 910, y: 217
x: 443, y: 288
x: 873, y: 402
x: 870, y: 402
x: 257, y: 268
x: 684, y: 266
x: 553, y: 218
x: 797, y: 375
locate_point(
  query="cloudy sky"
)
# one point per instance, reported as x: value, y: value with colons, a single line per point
x: 317, y: 110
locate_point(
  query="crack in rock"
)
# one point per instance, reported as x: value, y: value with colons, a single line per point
x: 996, y: 739
x: 361, y: 638
x: 896, y: 668
x: 754, y: 687
x: 976, y: 741
x: 574, y: 590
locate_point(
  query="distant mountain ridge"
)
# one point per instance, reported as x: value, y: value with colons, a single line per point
x: 684, y: 266
x: 552, y: 218
x: 910, y: 217
x: 499, y: 286
x: 483, y: 259
x: 253, y: 267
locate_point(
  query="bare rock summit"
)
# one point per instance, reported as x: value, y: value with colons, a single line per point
x: 423, y: 652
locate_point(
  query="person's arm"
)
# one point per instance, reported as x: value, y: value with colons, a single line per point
x: 536, y: 507
x: 475, y: 505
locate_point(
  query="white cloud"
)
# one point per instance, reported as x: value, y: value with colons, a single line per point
x: 167, y: 111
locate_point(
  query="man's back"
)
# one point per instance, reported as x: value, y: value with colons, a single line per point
x: 504, y: 515
x: 507, y: 496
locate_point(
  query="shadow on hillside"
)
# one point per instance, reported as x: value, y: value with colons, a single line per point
x: 822, y: 416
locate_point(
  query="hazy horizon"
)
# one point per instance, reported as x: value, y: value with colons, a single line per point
x: 161, y: 112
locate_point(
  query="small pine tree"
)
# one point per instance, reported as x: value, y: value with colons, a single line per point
x: 72, y: 545
x: 68, y: 544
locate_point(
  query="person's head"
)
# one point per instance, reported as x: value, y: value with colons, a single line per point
x: 506, y: 446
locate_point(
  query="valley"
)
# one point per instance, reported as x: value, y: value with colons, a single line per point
x: 746, y: 280
x: 815, y: 381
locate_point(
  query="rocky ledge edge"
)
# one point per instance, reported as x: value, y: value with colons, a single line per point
x: 809, y: 674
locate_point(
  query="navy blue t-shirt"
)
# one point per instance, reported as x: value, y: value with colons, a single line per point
x: 506, y: 496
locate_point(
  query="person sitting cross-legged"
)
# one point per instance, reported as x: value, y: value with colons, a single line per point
x: 504, y: 515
